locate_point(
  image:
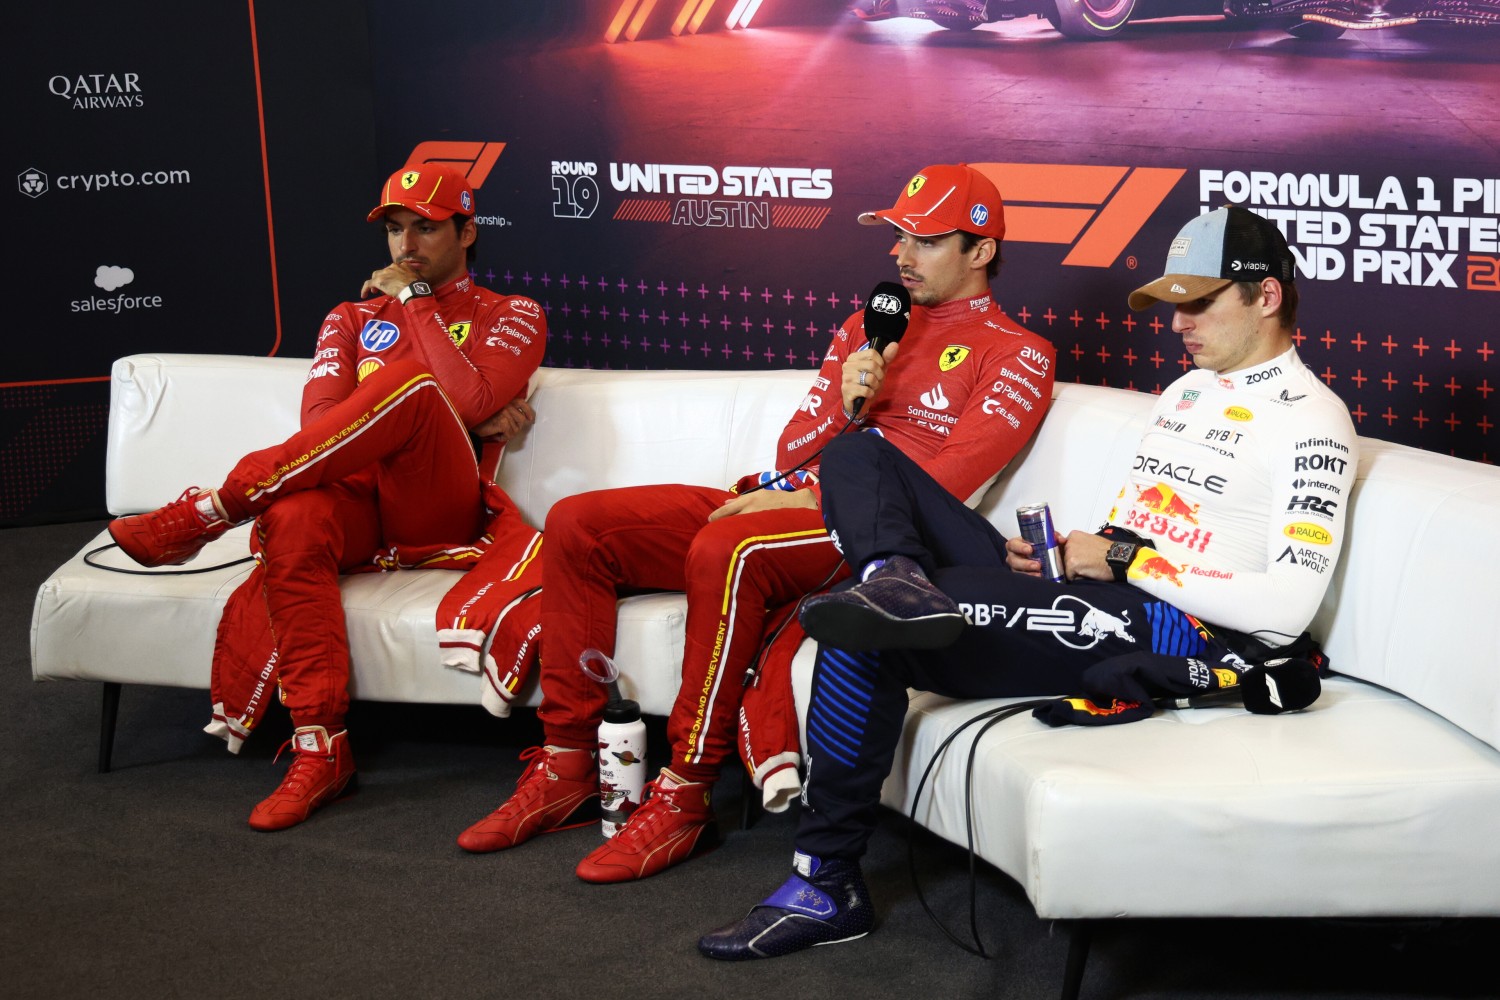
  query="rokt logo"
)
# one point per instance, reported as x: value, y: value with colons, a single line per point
x: 1094, y: 210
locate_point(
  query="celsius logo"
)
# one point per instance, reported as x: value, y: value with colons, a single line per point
x: 32, y: 182
x: 885, y: 303
x: 1105, y: 206
x: 575, y: 193
x: 92, y: 91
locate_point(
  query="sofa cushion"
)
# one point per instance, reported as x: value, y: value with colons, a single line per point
x: 1360, y: 805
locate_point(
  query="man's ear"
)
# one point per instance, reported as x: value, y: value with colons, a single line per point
x: 468, y: 234
x: 984, y: 252
x: 1270, y: 296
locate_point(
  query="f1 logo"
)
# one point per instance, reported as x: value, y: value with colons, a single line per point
x: 1113, y: 204
x: 473, y: 159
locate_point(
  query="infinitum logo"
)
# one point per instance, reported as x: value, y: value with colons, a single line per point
x: 1095, y: 211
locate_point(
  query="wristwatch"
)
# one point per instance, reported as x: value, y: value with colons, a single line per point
x: 1120, y: 555
x: 411, y: 291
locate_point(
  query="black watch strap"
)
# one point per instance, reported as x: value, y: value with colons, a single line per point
x: 1119, y: 556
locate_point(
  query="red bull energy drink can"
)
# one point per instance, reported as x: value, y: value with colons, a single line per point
x: 1035, y: 520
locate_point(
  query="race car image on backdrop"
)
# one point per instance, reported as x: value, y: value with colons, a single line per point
x: 1311, y: 19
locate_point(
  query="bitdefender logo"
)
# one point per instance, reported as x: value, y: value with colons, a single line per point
x: 98, y: 91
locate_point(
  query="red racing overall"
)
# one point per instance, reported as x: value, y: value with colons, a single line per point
x: 966, y: 392
x: 382, y: 475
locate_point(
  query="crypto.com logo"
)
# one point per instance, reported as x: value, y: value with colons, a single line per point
x: 1096, y: 211
x: 474, y: 160
x: 32, y: 182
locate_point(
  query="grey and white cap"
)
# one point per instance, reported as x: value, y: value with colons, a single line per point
x: 1216, y: 249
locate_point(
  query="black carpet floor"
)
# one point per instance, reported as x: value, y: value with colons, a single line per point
x: 146, y: 881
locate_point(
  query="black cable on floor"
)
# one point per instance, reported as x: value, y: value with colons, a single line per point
x: 990, y: 718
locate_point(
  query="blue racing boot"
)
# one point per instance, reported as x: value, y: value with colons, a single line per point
x: 894, y: 607
x: 825, y: 902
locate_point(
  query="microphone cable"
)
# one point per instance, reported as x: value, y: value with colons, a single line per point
x: 89, y: 561
x: 991, y: 718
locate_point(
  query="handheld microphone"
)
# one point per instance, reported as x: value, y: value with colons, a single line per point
x: 1271, y: 688
x: 887, y: 311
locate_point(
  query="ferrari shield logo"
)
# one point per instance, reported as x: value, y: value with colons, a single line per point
x: 953, y: 356
x: 914, y: 185
x: 409, y: 179
x: 458, y: 332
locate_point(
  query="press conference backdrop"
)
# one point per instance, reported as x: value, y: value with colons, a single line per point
x: 677, y: 183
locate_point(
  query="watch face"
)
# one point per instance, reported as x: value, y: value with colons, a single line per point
x: 421, y: 288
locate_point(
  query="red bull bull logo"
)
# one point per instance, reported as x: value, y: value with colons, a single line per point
x: 1162, y: 499
x: 1156, y: 568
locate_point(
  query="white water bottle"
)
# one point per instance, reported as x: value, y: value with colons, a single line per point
x: 622, y: 746
x: 622, y: 763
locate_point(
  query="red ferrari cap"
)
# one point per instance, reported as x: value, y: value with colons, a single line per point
x: 428, y: 189
x: 944, y: 198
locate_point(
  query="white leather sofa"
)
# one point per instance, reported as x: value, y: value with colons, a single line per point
x: 1383, y: 799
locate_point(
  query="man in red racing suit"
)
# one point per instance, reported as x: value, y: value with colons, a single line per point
x: 960, y: 394
x: 381, y: 475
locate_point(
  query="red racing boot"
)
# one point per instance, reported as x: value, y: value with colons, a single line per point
x: 321, y: 772
x: 554, y: 793
x: 171, y: 534
x: 673, y: 824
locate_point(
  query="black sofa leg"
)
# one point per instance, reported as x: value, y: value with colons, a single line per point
x: 1080, y: 935
x: 751, y: 809
x: 107, y: 719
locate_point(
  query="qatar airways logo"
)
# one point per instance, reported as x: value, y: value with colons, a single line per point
x: 98, y: 91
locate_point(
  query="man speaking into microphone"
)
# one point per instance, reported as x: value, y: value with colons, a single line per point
x: 954, y: 384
